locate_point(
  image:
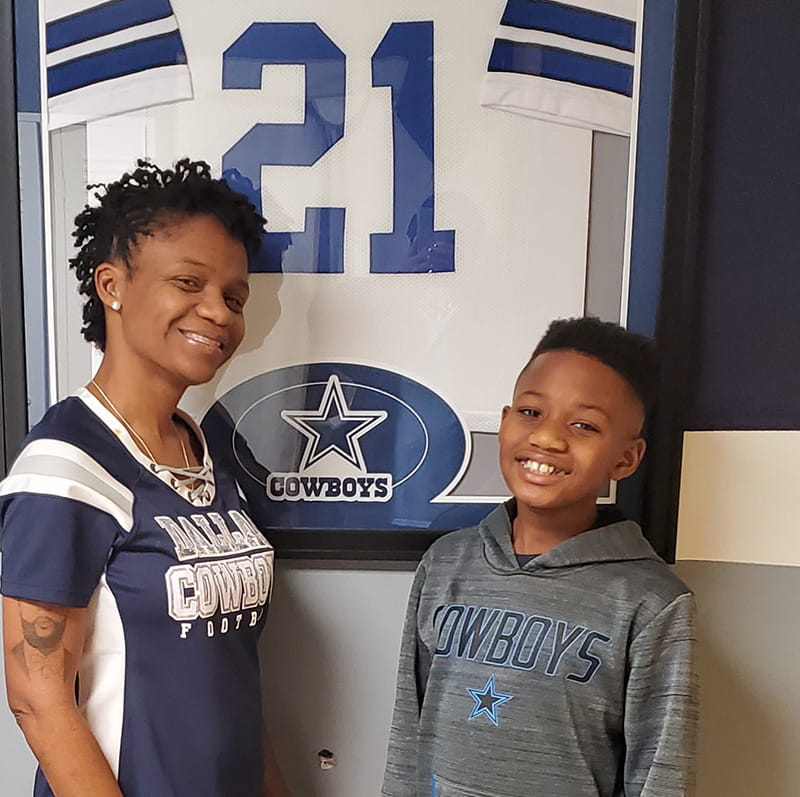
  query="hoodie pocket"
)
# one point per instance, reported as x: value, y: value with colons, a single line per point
x: 445, y: 788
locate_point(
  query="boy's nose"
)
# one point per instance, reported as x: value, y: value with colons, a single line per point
x: 548, y: 438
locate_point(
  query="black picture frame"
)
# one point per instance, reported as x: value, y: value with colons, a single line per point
x: 666, y: 194
x: 663, y: 236
x: 13, y: 388
x: 682, y: 175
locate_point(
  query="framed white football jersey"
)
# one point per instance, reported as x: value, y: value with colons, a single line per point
x: 420, y: 237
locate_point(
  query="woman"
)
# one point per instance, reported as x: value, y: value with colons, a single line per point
x: 134, y: 585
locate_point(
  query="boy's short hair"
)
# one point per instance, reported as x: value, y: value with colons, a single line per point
x: 634, y: 357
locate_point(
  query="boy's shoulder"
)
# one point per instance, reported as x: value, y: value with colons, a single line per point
x: 453, y: 545
x: 614, y: 560
x: 469, y: 542
x: 648, y: 581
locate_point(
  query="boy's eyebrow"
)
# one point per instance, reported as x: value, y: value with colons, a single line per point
x: 593, y: 407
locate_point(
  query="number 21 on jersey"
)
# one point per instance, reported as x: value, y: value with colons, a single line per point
x: 413, y: 245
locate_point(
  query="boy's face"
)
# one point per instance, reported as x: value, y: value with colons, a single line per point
x: 575, y: 423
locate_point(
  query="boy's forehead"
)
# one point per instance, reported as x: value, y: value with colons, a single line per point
x: 580, y: 375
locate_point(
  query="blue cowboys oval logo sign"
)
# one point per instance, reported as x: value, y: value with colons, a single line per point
x: 343, y: 446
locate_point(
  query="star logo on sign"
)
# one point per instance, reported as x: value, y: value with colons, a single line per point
x: 333, y: 427
x: 487, y: 701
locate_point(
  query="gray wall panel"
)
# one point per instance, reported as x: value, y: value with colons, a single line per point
x: 69, y: 177
x: 606, y: 244
x: 749, y: 655
x: 329, y: 661
x: 33, y: 264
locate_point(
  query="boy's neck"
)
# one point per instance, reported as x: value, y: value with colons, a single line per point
x: 536, y: 531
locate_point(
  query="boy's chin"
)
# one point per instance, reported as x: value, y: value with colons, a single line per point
x: 551, y: 502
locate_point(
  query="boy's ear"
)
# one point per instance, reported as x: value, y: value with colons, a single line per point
x: 505, y: 412
x: 630, y: 459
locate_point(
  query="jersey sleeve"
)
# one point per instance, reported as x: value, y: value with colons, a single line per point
x: 61, y: 515
x: 661, y: 705
x: 109, y: 58
x: 571, y: 63
x: 400, y: 776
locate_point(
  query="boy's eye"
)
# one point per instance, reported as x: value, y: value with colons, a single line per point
x: 585, y: 427
x: 530, y: 412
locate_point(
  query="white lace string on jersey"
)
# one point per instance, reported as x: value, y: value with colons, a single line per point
x: 184, y: 478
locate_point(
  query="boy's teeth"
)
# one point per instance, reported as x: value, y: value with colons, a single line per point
x: 539, y: 467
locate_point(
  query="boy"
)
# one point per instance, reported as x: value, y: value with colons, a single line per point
x: 548, y: 651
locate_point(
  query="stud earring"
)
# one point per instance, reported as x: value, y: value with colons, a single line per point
x: 115, y: 305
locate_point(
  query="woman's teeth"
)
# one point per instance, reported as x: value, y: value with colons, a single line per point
x: 198, y: 338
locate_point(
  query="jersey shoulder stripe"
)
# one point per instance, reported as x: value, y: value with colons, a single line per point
x: 126, y: 59
x: 112, y: 57
x: 563, y: 65
x: 572, y: 21
x: 101, y: 19
x: 571, y: 63
x: 60, y: 469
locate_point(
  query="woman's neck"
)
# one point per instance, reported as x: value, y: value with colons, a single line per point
x: 145, y: 401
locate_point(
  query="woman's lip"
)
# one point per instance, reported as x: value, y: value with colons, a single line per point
x: 200, y: 338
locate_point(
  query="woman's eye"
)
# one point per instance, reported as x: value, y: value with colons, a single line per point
x: 188, y: 283
x: 235, y: 303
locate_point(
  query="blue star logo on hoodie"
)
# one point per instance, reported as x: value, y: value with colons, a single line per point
x: 487, y: 701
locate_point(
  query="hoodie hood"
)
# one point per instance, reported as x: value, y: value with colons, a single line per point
x: 617, y: 542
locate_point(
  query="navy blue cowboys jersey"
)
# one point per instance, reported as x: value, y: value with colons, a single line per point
x: 176, y: 580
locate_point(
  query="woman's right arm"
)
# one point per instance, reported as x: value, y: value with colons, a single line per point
x: 42, y: 646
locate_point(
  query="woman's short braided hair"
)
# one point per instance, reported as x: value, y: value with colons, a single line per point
x: 141, y: 202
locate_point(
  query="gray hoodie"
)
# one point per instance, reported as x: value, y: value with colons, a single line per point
x: 571, y: 675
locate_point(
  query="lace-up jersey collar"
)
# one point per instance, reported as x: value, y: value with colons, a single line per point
x: 195, y: 484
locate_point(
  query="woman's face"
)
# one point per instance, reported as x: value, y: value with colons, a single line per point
x: 182, y: 301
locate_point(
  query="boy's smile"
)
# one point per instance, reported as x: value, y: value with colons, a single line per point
x: 575, y: 423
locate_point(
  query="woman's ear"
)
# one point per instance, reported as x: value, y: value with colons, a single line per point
x: 108, y: 282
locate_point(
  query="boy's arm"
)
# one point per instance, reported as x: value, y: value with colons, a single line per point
x: 400, y: 776
x: 661, y: 705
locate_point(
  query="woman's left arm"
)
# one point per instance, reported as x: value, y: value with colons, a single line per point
x: 274, y: 784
